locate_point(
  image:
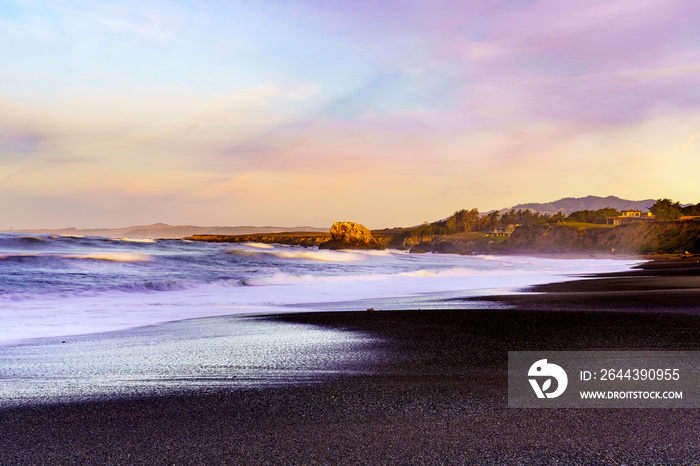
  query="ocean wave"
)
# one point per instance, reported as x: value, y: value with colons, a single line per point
x: 283, y: 279
x: 98, y: 256
x: 310, y: 255
x: 14, y: 243
x: 21, y: 242
x: 135, y: 240
x: 110, y: 256
x: 151, y: 286
x: 259, y: 245
x: 23, y: 255
x: 245, y: 253
x: 127, y: 288
x: 32, y: 239
x: 321, y: 256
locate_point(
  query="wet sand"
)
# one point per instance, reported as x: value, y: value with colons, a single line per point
x: 430, y: 388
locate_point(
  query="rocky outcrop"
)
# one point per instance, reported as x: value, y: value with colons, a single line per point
x: 350, y: 235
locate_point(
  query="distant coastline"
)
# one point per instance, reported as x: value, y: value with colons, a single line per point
x: 165, y: 231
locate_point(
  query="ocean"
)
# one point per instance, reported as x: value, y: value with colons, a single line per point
x: 56, y: 286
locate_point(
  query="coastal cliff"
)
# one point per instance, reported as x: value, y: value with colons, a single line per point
x: 672, y: 237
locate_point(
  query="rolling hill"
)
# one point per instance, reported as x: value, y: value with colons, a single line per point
x: 568, y: 205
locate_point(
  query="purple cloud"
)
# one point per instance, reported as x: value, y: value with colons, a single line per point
x: 597, y: 62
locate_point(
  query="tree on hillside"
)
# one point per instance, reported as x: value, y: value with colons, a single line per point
x: 693, y: 210
x: 582, y: 216
x: 606, y: 212
x: 527, y: 217
x: 523, y: 217
x: 463, y: 220
x: 666, y: 209
x: 592, y: 216
x: 556, y: 218
x: 510, y: 217
x: 489, y: 221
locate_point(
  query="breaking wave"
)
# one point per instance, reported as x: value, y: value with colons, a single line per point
x: 259, y: 245
x: 110, y: 256
x: 145, y: 287
x: 97, y: 256
x: 310, y: 255
x: 21, y: 242
x: 152, y: 286
x: 136, y: 240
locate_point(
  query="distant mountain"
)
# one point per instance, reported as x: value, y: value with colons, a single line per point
x: 572, y: 204
x: 162, y: 230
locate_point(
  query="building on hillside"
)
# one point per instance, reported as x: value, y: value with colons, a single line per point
x: 505, y: 230
x: 629, y: 216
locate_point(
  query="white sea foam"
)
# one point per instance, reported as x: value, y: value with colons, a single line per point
x: 316, y: 255
x: 373, y: 252
x: 110, y: 256
x: 71, y: 314
x: 287, y: 278
x: 259, y: 245
x: 292, y: 279
x: 293, y: 253
x: 454, y: 272
x: 136, y: 240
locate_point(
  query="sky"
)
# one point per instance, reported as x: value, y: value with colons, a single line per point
x: 306, y: 112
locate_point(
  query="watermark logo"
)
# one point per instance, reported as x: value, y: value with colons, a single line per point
x: 604, y: 379
x: 544, y: 372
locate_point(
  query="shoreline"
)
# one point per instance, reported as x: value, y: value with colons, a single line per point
x: 22, y: 330
x: 430, y: 387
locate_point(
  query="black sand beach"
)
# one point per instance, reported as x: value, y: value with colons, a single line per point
x: 432, y: 390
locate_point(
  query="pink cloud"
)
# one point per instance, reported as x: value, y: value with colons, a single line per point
x: 596, y: 61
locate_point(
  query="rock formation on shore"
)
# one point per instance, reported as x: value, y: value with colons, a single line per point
x: 350, y: 235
